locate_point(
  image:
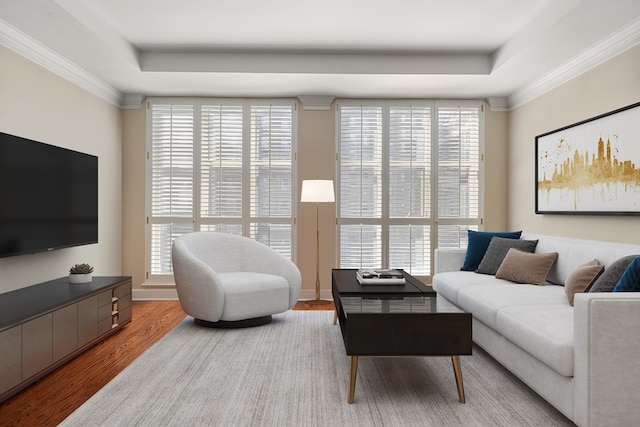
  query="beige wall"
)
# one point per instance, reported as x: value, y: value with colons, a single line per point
x: 36, y: 104
x: 133, y: 194
x: 316, y: 160
x: 495, y: 170
x: 612, y: 85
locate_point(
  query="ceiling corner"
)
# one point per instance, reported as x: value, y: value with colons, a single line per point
x: 19, y: 42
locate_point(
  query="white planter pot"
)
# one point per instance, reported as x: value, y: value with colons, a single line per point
x: 80, y: 278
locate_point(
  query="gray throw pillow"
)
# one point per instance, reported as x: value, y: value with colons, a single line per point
x: 608, y: 280
x: 497, y: 250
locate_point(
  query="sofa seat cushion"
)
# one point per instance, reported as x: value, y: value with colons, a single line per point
x: 248, y: 295
x: 448, y: 284
x: 544, y: 331
x: 484, y: 301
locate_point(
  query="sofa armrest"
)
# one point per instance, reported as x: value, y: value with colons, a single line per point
x: 446, y: 259
x: 606, y: 364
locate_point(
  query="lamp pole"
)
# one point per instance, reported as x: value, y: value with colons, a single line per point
x: 317, y: 191
x: 317, y: 252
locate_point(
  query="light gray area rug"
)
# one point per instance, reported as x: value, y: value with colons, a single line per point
x: 295, y: 372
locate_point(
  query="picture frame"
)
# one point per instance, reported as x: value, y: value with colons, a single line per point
x: 591, y: 167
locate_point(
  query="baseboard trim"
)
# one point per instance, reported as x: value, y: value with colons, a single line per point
x: 154, y: 294
x: 172, y: 294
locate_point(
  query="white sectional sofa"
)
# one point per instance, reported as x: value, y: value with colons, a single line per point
x: 583, y: 359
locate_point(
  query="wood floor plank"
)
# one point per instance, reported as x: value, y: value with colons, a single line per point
x: 53, y: 398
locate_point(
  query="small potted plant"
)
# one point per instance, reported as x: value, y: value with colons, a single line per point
x: 80, y: 273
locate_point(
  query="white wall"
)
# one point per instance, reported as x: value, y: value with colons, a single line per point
x: 611, y: 85
x: 36, y: 104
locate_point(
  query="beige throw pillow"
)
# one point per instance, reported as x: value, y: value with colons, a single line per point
x: 523, y: 267
x: 582, y: 278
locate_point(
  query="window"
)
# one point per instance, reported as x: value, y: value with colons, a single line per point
x: 219, y: 166
x: 408, y: 181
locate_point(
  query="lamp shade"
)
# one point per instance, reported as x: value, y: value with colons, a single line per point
x: 317, y: 190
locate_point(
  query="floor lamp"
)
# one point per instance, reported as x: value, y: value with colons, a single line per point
x: 318, y: 191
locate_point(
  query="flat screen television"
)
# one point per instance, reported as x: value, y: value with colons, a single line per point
x: 48, y: 197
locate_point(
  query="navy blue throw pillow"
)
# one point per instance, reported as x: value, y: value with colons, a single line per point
x: 478, y: 242
x: 630, y: 280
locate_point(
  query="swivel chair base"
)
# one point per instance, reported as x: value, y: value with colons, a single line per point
x: 223, y: 324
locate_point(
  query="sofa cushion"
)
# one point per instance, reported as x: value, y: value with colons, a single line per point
x: 477, y: 243
x: 449, y: 283
x: 630, y: 280
x: 248, y: 295
x: 581, y: 279
x: 484, y: 301
x: 523, y: 267
x: 497, y: 250
x: 544, y: 331
x: 609, y: 279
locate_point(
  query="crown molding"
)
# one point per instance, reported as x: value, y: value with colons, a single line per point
x: 498, y: 103
x: 17, y: 41
x: 627, y: 37
x: 132, y: 101
x: 315, y: 102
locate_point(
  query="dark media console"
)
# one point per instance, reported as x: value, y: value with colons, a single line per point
x: 45, y: 325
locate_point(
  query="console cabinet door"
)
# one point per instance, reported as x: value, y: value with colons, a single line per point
x: 65, y: 331
x: 10, y: 358
x: 37, y: 345
x: 87, y: 320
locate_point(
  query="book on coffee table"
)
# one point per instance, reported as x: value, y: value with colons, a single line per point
x: 380, y: 277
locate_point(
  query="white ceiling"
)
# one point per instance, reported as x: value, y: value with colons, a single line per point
x: 504, y: 50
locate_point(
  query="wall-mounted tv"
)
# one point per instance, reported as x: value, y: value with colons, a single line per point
x: 48, y: 197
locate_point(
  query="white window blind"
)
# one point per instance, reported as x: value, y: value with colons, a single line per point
x: 360, y: 206
x: 458, y: 178
x: 272, y: 176
x: 172, y: 180
x: 397, y: 162
x: 220, y: 166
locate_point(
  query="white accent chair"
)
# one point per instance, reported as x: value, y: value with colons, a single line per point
x: 226, y: 280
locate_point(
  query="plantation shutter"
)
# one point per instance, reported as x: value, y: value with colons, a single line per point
x: 410, y: 188
x: 219, y: 166
x: 458, y: 173
x: 221, y: 160
x: 172, y: 180
x: 271, y: 176
x: 360, y: 186
x: 409, y: 181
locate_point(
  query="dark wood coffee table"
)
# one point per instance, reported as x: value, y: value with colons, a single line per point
x: 397, y: 320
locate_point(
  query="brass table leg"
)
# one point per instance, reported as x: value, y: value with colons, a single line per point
x: 457, y: 370
x: 352, y: 379
x: 335, y: 317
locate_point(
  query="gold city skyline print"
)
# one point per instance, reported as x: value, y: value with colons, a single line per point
x: 592, y: 167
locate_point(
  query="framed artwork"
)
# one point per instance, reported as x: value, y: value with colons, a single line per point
x: 591, y: 167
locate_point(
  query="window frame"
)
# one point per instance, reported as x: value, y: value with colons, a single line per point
x: 197, y: 220
x: 432, y: 220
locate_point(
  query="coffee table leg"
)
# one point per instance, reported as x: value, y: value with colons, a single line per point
x: 457, y: 370
x: 352, y: 379
x: 335, y: 317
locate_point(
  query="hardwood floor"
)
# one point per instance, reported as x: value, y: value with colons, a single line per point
x: 50, y: 400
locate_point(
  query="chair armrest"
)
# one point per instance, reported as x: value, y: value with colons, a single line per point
x: 446, y: 259
x: 606, y: 364
x: 198, y: 285
x: 263, y: 259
